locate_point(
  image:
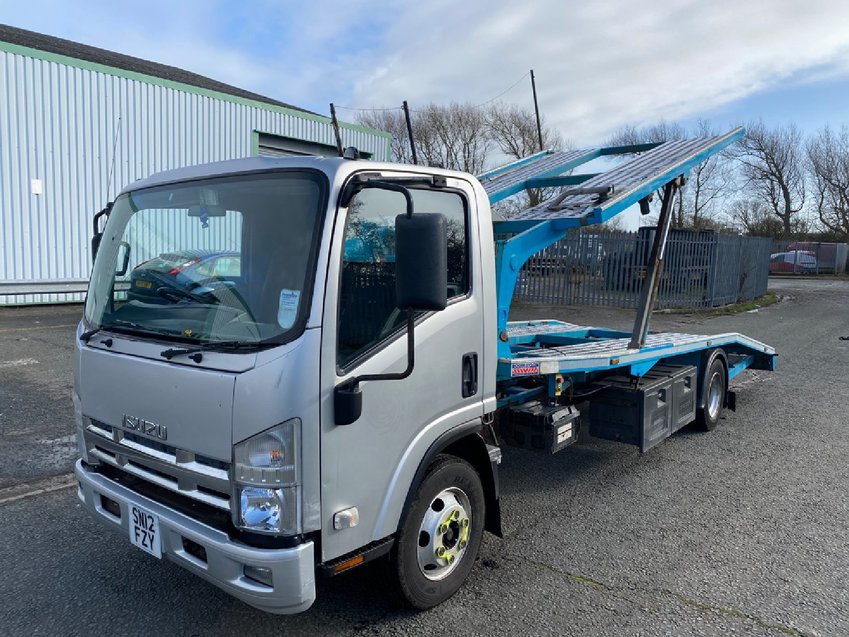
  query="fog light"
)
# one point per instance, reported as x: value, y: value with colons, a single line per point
x: 194, y: 549
x: 261, y: 508
x: 259, y: 574
x: 111, y: 506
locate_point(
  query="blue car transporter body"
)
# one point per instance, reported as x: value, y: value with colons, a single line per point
x: 566, y: 354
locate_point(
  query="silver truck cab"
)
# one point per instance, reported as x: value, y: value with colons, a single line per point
x: 227, y: 306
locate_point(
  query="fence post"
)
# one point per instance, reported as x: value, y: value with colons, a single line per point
x: 714, y: 267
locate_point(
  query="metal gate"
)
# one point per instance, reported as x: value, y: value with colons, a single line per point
x: 701, y: 269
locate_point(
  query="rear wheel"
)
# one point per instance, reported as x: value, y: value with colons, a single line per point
x: 441, y: 535
x: 714, y: 386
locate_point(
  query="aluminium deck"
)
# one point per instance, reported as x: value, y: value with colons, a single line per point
x: 608, y: 353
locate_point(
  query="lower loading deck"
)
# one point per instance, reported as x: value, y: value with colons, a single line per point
x: 551, y: 348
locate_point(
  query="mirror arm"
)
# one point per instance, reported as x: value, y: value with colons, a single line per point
x: 347, y: 397
x: 355, y: 187
x: 367, y: 180
x: 95, y: 222
x: 388, y: 185
x: 411, y: 359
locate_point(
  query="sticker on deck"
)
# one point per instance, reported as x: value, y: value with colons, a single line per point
x: 524, y: 369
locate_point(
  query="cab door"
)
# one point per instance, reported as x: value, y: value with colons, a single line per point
x: 370, y: 463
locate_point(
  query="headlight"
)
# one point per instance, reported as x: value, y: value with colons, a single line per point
x: 275, y: 511
x: 267, y: 473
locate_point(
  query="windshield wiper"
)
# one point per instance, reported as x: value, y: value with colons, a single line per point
x: 85, y: 336
x: 196, y: 352
x: 128, y: 327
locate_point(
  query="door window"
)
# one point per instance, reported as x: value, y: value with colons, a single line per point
x: 367, y: 313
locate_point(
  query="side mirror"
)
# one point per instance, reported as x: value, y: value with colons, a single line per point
x: 97, y: 233
x: 421, y: 262
x: 347, y: 403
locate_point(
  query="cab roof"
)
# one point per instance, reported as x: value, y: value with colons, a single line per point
x: 328, y: 165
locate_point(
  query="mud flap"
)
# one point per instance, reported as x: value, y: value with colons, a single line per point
x: 731, y: 400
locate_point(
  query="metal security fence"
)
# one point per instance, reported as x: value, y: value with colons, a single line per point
x: 808, y: 257
x: 701, y: 269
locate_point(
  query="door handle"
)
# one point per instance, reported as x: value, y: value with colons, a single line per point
x: 470, y: 374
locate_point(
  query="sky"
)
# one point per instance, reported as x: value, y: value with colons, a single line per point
x: 598, y: 65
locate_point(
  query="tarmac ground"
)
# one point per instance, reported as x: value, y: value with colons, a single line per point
x: 744, y: 529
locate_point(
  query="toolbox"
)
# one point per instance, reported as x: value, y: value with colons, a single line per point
x: 644, y: 411
x: 541, y: 427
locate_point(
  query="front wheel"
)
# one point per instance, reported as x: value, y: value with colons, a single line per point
x: 441, y: 535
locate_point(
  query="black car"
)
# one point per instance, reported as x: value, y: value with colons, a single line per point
x: 190, y: 274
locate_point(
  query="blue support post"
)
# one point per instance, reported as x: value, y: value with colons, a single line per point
x: 510, y: 256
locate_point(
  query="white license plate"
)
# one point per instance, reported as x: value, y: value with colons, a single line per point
x: 144, y: 531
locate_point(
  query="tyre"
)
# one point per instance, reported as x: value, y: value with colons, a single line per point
x: 714, y: 386
x: 441, y: 534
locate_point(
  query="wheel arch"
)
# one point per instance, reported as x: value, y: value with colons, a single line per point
x: 468, y: 444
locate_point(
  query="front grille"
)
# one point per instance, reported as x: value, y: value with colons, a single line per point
x: 203, y: 479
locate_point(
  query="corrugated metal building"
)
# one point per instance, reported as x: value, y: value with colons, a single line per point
x: 78, y: 123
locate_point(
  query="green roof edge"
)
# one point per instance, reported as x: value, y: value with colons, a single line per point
x: 17, y: 49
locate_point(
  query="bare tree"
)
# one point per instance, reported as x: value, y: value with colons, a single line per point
x: 466, y: 137
x: 772, y: 165
x: 455, y: 136
x: 755, y: 218
x: 828, y: 164
x: 709, y: 182
x: 391, y: 121
x: 514, y: 132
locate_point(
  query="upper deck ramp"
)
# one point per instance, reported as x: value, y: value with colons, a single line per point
x: 595, y: 198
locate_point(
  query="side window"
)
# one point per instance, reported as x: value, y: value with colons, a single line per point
x: 205, y: 270
x: 452, y: 205
x: 367, y: 312
x: 227, y: 267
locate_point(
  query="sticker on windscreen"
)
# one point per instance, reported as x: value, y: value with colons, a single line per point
x: 287, y: 309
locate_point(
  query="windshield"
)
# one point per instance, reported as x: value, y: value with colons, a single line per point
x: 219, y: 260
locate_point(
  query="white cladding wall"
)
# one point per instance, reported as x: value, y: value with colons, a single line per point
x: 63, y: 129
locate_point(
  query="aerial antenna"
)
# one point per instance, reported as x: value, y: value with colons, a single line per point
x: 410, y: 131
x: 536, y: 110
x: 335, y: 123
x: 112, y: 166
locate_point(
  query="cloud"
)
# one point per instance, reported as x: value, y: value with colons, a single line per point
x: 598, y: 65
x: 302, y: 53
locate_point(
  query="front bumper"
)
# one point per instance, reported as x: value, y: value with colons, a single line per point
x: 292, y: 570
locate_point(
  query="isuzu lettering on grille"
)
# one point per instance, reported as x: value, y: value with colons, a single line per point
x: 145, y: 427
